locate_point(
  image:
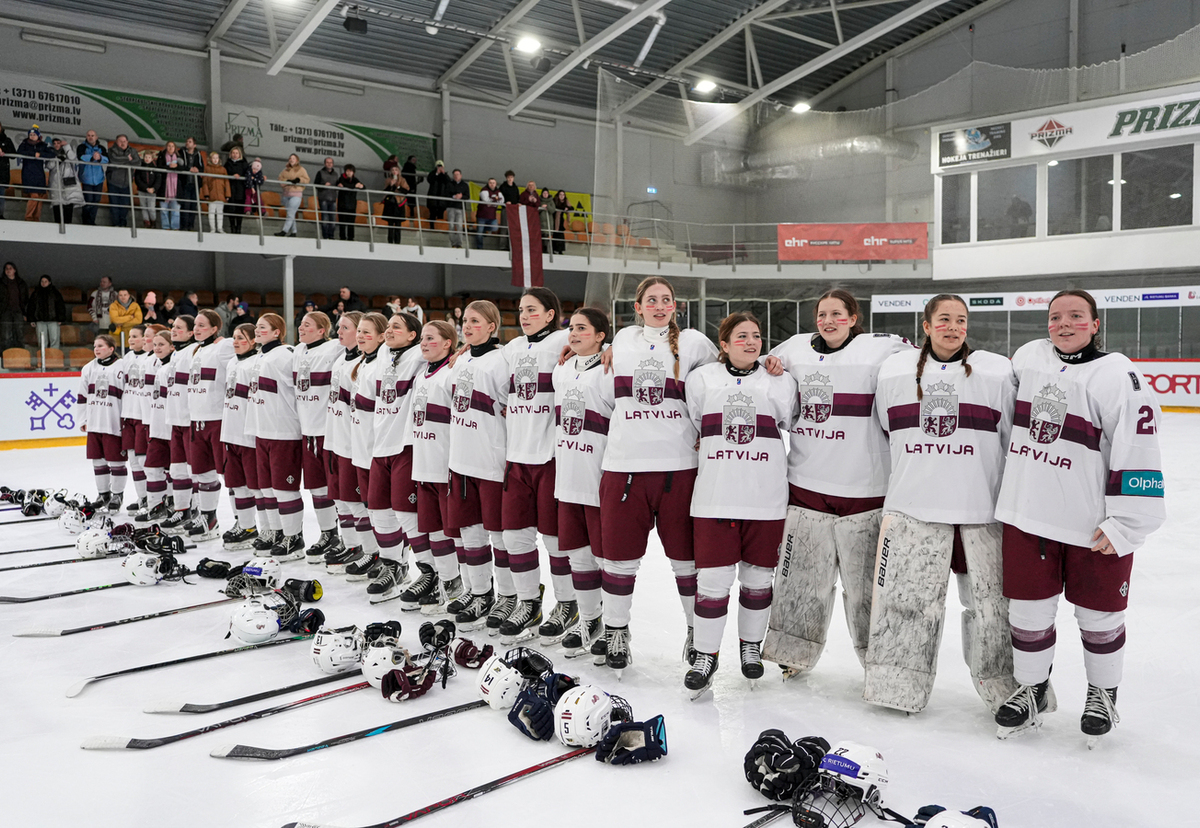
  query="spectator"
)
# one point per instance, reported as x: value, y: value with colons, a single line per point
x: 171, y: 163
x: 168, y: 312
x: 394, y: 204
x: 294, y: 177
x: 545, y: 208
x: 91, y: 174
x: 192, y: 162
x: 309, y: 307
x: 13, y: 297
x: 390, y: 164
x: 326, y: 179
x: 121, y: 157
x: 255, y: 181
x: 214, y: 189
x: 63, y: 177
x: 530, y: 195
x: 456, y: 319
x: 509, y: 189
x: 409, y: 173
x: 190, y: 305
x: 485, y: 213
x: 33, y: 152
x: 237, y: 169
x: 243, y: 316
x: 227, y: 310
x: 560, y: 221
x: 99, y: 302
x: 347, y: 202
x: 7, y: 150
x: 149, y: 182
x: 394, y: 306
x: 123, y: 314
x: 456, y: 212
x: 348, y: 298
x: 47, y: 311
x: 439, y: 189
x: 149, y: 313
x: 415, y: 309
x: 236, y: 141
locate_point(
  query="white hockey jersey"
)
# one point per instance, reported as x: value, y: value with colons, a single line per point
x: 948, y: 448
x: 583, y: 408
x: 132, y: 403
x: 273, y: 396
x: 1084, y: 451
x: 837, y: 447
x: 337, y: 409
x: 651, y: 428
x: 239, y: 373
x: 428, y: 430
x: 311, y: 372
x: 743, y: 461
x: 479, y: 387
x: 101, y: 390
x: 177, y: 407
x: 206, y: 380
x: 393, y: 399
x: 160, y: 388
x: 146, y: 366
x: 363, y: 388
x: 530, y: 417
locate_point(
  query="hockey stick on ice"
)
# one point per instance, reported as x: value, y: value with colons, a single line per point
x: 48, y: 633
x: 183, y: 707
x: 76, y: 560
x: 124, y: 743
x: 38, y: 549
x: 27, y: 520
x: 17, y: 599
x: 774, y: 812
x: 77, y: 688
x: 473, y: 793
x: 248, y: 752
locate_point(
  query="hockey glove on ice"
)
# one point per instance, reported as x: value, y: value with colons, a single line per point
x: 381, y: 629
x: 399, y: 686
x: 468, y: 654
x: 629, y: 743
x: 208, y: 568
x: 304, y: 591
x: 777, y: 768
x: 533, y: 715
x: 436, y: 635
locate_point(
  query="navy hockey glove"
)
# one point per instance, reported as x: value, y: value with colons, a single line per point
x: 628, y: 743
x: 533, y: 715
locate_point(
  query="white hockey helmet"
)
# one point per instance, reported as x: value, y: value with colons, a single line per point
x: 72, y: 519
x: 338, y: 650
x: 954, y: 819
x: 93, y: 543
x: 383, y: 656
x: 141, y: 568
x: 583, y: 716
x: 56, y: 503
x: 256, y: 620
x: 499, y: 683
x: 851, y: 780
x: 266, y: 570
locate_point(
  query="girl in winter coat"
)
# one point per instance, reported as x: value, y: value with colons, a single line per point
x: 238, y: 168
x: 294, y: 177
x: 65, y: 190
x: 46, y: 309
x: 214, y: 189
x: 170, y: 161
x: 33, y: 152
x: 255, y: 181
x: 149, y: 180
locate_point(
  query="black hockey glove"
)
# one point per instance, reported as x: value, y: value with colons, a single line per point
x: 629, y: 743
x: 531, y: 664
x: 773, y: 767
x: 436, y: 635
x: 381, y: 629
x: 307, y: 622
x: 468, y: 654
x: 303, y: 591
x: 208, y: 568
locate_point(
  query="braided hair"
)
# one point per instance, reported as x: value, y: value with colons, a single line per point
x: 672, y: 325
x: 931, y: 308
x: 380, y: 323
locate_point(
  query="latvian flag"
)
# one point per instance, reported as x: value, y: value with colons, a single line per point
x: 525, y: 234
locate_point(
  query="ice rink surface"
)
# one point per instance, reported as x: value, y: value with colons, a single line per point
x: 1139, y: 775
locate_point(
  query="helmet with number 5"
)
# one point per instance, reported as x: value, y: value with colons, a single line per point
x: 583, y: 716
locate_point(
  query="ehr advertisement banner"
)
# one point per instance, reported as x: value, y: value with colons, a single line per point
x: 854, y: 242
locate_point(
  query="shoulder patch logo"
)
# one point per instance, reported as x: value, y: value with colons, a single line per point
x: 1047, y: 412
x: 1137, y: 384
x: 816, y: 398
x: 939, y: 410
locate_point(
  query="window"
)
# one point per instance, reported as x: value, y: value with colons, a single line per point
x: 1156, y: 187
x: 1191, y: 333
x: 1079, y: 197
x: 1119, y: 331
x: 1026, y: 326
x: 956, y: 208
x: 907, y: 325
x: 1006, y: 203
x: 1160, y: 333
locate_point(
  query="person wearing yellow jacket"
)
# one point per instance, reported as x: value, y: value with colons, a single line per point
x: 123, y: 314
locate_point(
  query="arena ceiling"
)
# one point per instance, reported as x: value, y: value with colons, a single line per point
x: 774, y: 51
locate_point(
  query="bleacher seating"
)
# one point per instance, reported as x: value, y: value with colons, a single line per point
x: 80, y: 357
x: 18, y: 359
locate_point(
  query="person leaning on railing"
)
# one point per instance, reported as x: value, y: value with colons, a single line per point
x: 215, y: 190
x: 237, y: 169
x: 121, y: 158
x: 294, y: 177
x: 33, y: 152
x: 63, y: 178
x: 149, y: 180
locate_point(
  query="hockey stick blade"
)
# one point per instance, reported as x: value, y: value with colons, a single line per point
x: 39, y: 549
x: 774, y: 812
x: 47, y: 633
x: 184, y: 707
x: 473, y: 793
x: 123, y: 743
x: 17, y: 599
x: 77, y: 688
x: 249, y: 752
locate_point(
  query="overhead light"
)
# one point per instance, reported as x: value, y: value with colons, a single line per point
x: 803, y: 106
x: 1176, y: 195
x: 529, y: 45
x: 431, y: 30
x: 352, y: 22
x: 81, y: 45
x: 1110, y: 181
x: 313, y: 83
x: 705, y: 86
x: 524, y: 118
x: 1052, y: 163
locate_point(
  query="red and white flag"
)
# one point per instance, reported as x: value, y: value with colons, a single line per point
x: 525, y: 235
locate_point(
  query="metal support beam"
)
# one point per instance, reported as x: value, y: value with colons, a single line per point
x: 1073, y: 50
x: 787, y: 79
x: 289, y: 297
x: 512, y: 74
x: 753, y: 56
x: 444, y: 141
x: 269, y: 19
x: 730, y: 31
x: 579, y: 22
x: 581, y: 54
x: 232, y: 9
x: 687, y: 108
x: 852, y: 4
x: 216, y: 109
x: 824, y: 44
x: 296, y: 39
x: 475, y: 52
x: 837, y: 21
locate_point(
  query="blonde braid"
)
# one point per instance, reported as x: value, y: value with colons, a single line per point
x: 673, y: 341
x: 926, y: 347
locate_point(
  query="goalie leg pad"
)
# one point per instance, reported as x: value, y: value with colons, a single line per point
x: 805, y: 587
x: 987, y: 642
x: 857, y: 538
x: 907, y: 611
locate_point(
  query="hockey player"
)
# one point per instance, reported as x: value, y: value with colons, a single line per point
x: 529, y: 506
x: 278, y: 445
x: 739, y: 410
x: 147, y: 366
x: 133, y: 409
x: 340, y: 469
x: 361, y: 384
x: 206, y: 403
x: 1082, y: 489
x: 181, y: 422
x: 948, y: 413
x: 101, y: 389
x: 312, y: 362
x: 583, y: 406
x: 650, y: 460
x: 158, y: 431
x: 241, y: 468
x: 838, y: 466
x: 479, y: 387
x: 428, y: 432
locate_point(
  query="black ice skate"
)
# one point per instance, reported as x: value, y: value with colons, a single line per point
x: 617, y: 655
x: 563, y: 617
x: 387, y: 584
x: 581, y: 638
x: 700, y: 678
x: 523, y: 624
x: 504, y: 606
x: 288, y: 548
x: 422, y: 590
x: 360, y: 570
x: 752, y: 666
x: 327, y: 543
x: 476, y: 611
x: 1023, y: 710
x: 1099, y: 713
x: 238, y: 539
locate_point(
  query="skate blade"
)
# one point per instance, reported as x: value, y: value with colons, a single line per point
x: 574, y: 652
x: 493, y: 632
x: 553, y: 640
x: 434, y: 609
x: 1092, y: 741
x: 383, y: 596
x: 519, y: 638
x: 1005, y: 733
x: 471, y: 626
x: 696, y: 694
x: 351, y: 578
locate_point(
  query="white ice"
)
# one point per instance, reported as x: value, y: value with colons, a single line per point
x: 948, y: 754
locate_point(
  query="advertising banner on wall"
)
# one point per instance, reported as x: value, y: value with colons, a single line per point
x: 971, y: 144
x: 1176, y: 381
x: 38, y: 406
x: 831, y: 242
x: 1026, y: 300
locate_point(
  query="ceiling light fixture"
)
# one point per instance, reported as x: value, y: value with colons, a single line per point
x: 705, y: 86
x: 1052, y: 163
x: 83, y: 46
x: 1176, y: 195
x: 801, y: 107
x: 529, y: 45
